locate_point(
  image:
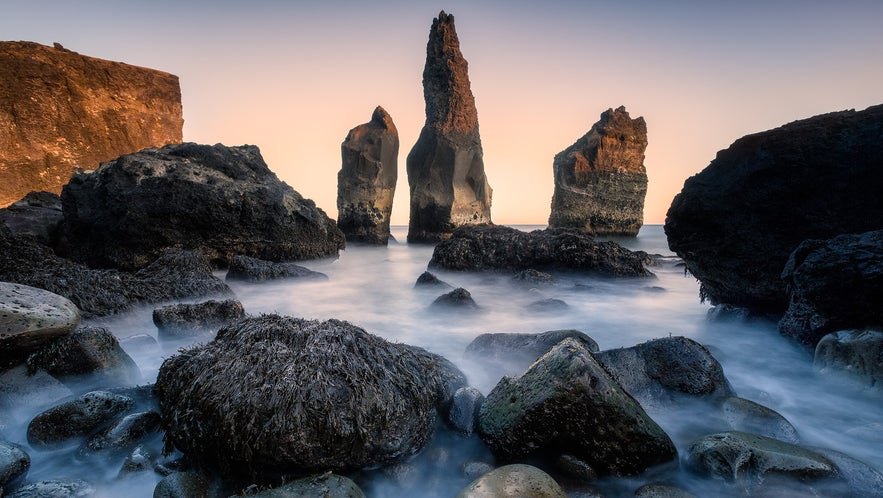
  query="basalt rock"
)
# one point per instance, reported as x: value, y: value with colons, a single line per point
x: 220, y: 201
x: 61, y: 110
x: 736, y: 222
x: 366, y: 182
x: 601, y: 181
x: 446, y: 166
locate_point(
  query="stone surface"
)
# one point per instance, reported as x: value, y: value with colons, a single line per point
x: 736, y: 222
x: 600, y: 180
x: 14, y: 464
x: 124, y: 433
x: 277, y: 394
x: 91, y: 351
x: 257, y: 270
x: 567, y: 403
x: 185, y: 320
x: 37, y: 214
x: 62, y: 110
x: 20, y: 389
x: 514, y: 481
x: 747, y: 416
x: 856, y: 353
x: 446, y: 166
x: 463, y: 415
x: 322, y: 486
x: 366, y: 182
x: 76, y: 418
x: 534, y: 277
x: 427, y: 279
x: 662, y: 491
x: 54, y: 488
x: 31, y: 318
x: 514, y: 352
x: 833, y: 285
x: 864, y: 480
x: 220, y: 201
x: 183, y: 485
x: 505, y: 248
x: 458, y: 298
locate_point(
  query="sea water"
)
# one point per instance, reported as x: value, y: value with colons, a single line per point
x: 373, y: 287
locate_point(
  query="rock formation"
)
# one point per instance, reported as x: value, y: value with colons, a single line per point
x: 600, y: 181
x: 445, y: 167
x: 736, y: 222
x: 60, y: 110
x: 367, y: 179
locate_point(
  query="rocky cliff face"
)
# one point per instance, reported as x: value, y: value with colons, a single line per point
x: 446, y: 167
x: 366, y: 182
x: 600, y: 181
x: 60, y: 110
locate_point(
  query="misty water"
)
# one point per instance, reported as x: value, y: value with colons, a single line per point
x: 373, y: 287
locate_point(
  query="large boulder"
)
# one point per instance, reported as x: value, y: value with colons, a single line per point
x: 275, y: 394
x: 856, y: 353
x: 31, y: 318
x: 736, y: 222
x: 62, y: 110
x: 514, y: 481
x: 220, y: 201
x: 567, y: 403
x: 87, y: 351
x: 504, y: 248
x: 366, y: 182
x: 833, y: 285
x: 446, y: 166
x: 601, y: 181
x: 37, y: 214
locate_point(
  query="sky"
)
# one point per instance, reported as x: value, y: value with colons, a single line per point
x: 293, y: 77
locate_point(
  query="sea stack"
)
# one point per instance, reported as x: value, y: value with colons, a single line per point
x: 445, y: 168
x: 366, y: 182
x: 61, y: 110
x: 600, y: 181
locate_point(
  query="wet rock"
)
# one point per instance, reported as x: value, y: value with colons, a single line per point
x: 187, y: 320
x: 14, y: 464
x: 662, y: 491
x: 139, y: 342
x: 367, y: 179
x: 88, y: 351
x: 55, y: 488
x: 124, y: 433
x: 427, y: 279
x: 20, y: 389
x: 30, y: 318
x: 220, y: 201
x: 864, y: 480
x: 514, y: 481
x: 76, y: 418
x: 576, y: 468
x: 504, y: 248
x: 463, y: 415
x: 534, y: 277
x: 257, y: 270
x: 567, y: 403
x: 512, y: 353
x: 327, y: 485
x: 547, y: 305
x: 458, y: 298
x: 747, y: 416
x: 446, y: 166
x: 660, y: 370
x: 278, y: 394
x: 736, y: 222
x: 183, y: 485
x: 403, y: 474
x: 139, y: 460
x: 600, y: 181
x: 855, y: 353
x: 38, y: 214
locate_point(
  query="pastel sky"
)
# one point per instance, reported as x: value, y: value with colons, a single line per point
x: 293, y: 77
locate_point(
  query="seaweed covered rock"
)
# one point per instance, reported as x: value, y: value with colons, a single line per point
x: 87, y: 351
x: 31, y: 318
x: 503, y: 248
x: 220, y: 201
x: 183, y: 320
x: 275, y: 394
x: 257, y: 270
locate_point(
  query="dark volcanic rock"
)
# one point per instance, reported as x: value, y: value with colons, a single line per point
x: 91, y: 351
x: 61, y: 110
x: 736, y: 222
x: 220, y: 201
x: 31, y: 318
x: 37, y: 214
x: 277, y: 394
x: 366, y: 182
x: 258, y: 270
x: 446, y: 166
x: 504, y: 248
x: 833, y: 285
x: 76, y: 418
x: 858, y: 353
x: 600, y: 181
x: 182, y: 320
x: 459, y: 298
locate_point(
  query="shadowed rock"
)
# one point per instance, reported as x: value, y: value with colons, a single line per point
x: 258, y: 270
x: 427, y: 279
x: 855, y: 353
x: 76, y: 418
x: 458, y: 298
x: 322, y: 486
x: 185, y: 320
x: 37, y: 214
x: 88, y: 351
x: 14, y: 463
x: 513, y: 353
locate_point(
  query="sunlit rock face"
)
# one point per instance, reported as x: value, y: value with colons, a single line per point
x: 60, y: 110
x: 366, y: 182
x: 446, y: 167
x: 601, y: 181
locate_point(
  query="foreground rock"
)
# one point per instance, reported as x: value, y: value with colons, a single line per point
x: 747, y: 416
x: 446, y: 166
x: 280, y: 395
x: 737, y: 221
x: 64, y: 110
x: 89, y: 351
x: 14, y: 463
x: 30, y: 318
x: 855, y: 353
x: 220, y: 201
x: 566, y: 403
x: 37, y: 214
x: 187, y: 320
x: 833, y: 285
x: 367, y: 179
x: 504, y: 248
x: 601, y: 181
x: 76, y: 418
x: 183, y: 485
x: 514, y: 481
x: 322, y: 486
x: 257, y: 270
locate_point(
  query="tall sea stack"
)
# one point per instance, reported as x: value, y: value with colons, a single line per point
x: 366, y: 182
x: 60, y: 110
x: 600, y: 181
x: 445, y: 167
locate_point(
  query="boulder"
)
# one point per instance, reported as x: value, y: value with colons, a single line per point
x: 366, y: 182
x: 14, y: 464
x: 257, y: 270
x: 277, y: 394
x: 514, y: 352
x: 576, y: 468
x: 505, y: 248
x: 736, y: 222
x: 465, y: 405
x: 458, y: 298
x: 220, y: 201
x: 63, y: 110
x: 856, y: 353
x: 185, y: 320
x: 747, y: 416
x: 863, y: 480
x: 124, y: 433
x: 446, y: 166
x: 833, y: 285
x: 600, y: 180
x: 183, y: 485
x: 327, y: 485
x: 31, y: 318
x: 427, y: 279
x: 76, y: 418
x: 37, y: 214
x: 514, y: 481
x: 88, y: 351
x: 54, y: 488
x: 567, y: 403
